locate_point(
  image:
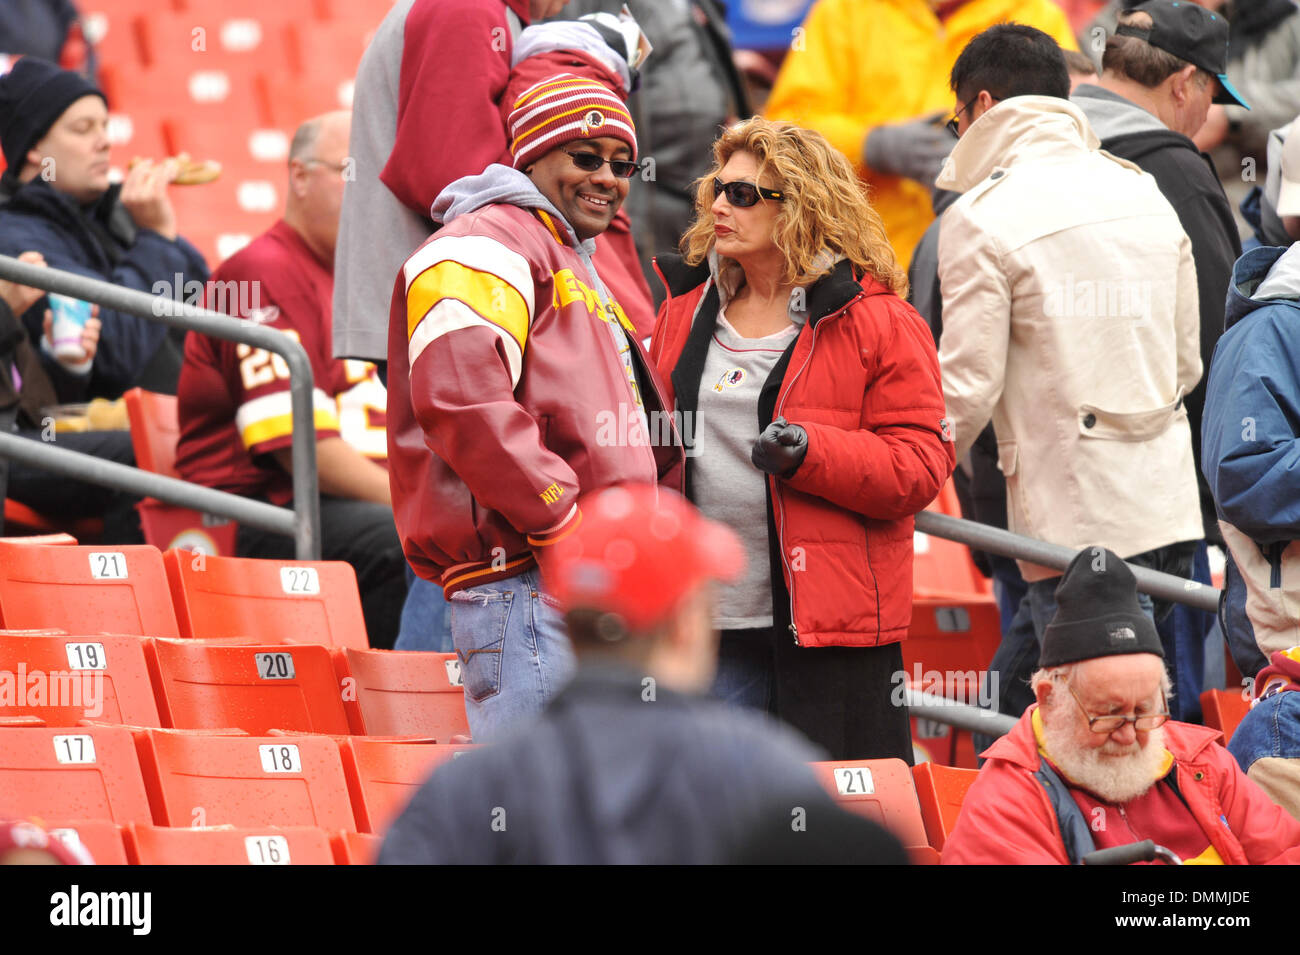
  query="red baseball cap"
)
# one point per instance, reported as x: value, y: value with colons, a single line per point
x: 639, y: 550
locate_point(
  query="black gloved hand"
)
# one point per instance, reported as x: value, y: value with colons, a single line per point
x: 780, y: 449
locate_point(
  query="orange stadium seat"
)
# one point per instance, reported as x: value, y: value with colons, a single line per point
x: 216, y: 94
x: 155, y: 431
x: 222, y: 217
x: 86, y: 772
x: 103, y: 677
x: 282, y: 11
x: 134, y: 134
x: 101, y: 838
x: 383, y: 775
x: 334, y: 47
x: 43, y: 540
x: 111, y: 32
x: 22, y: 519
x: 355, y: 848
x: 1224, y: 710
x: 253, y: 688
x: 881, y: 790
x: 86, y: 589
x: 199, y: 779
x: 245, y: 154
x: 401, y: 693
x: 289, y: 97
x: 292, y: 845
x: 208, y: 39
x: 298, y: 601
x: 940, y: 790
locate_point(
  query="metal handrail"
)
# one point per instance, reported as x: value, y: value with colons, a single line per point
x: 997, y: 541
x: 961, y: 715
x: 303, y: 523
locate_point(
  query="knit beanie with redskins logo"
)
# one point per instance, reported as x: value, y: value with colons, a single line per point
x: 561, y: 109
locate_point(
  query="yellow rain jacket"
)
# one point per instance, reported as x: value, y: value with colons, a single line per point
x: 858, y: 64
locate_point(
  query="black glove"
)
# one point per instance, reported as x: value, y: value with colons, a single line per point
x: 780, y: 449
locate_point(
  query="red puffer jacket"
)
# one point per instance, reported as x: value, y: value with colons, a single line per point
x: 1008, y: 819
x: 862, y: 378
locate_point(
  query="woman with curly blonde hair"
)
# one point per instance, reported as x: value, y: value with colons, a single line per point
x: 808, y: 393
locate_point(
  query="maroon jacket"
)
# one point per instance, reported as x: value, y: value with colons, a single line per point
x: 862, y: 379
x: 506, y: 397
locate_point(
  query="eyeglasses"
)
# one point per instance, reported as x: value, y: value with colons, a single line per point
x: 336, y: 166
x: 590, y: 162
x: 1105, y: 725
x: 951, y: 125
x: 744, y: 194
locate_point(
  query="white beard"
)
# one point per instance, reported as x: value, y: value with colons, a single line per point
x: 1115, y: 773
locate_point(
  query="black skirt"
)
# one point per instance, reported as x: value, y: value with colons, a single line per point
x: 841, y: 698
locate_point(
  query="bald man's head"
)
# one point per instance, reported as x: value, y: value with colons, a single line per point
x: 319, y: 166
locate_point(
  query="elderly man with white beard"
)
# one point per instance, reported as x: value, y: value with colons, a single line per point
x: 1096, y: 763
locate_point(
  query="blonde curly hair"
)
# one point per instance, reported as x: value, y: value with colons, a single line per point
x: 826, y: 205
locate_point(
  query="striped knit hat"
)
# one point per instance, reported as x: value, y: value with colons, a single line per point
x: 561, y: 109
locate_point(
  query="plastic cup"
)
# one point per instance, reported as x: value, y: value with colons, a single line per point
x: 70, y: 316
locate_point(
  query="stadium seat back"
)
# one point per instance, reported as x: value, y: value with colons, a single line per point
x: 195, y: 779
x: 22, y: 520
x: 399, y: 693
x: 879, y: 789
x: 940, y: 790
x: 103, y: 677
x: 942, y: 567
x: 84, y: 772
x: 1224, y: 710
x: 86, y: 589
x: 43, y: 540
x: 253, y: 688
x: 291, y: 845
x: 155, y: 430
x: 303, y: 601
x: 99, y: 837
x: 355, y: 848
x: 950, y: 642
x: 383, y: 776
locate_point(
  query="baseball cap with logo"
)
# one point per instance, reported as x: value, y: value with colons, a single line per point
x: 1097, y: 613
x: 638, y: 552
x: 1190, y: 33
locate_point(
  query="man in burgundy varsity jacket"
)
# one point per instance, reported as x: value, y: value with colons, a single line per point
x: 516, y: 384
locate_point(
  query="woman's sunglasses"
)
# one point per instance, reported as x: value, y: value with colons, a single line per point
x: 590, y: 162
x: 744, y: 194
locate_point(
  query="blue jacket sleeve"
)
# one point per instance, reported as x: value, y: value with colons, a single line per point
x: 1251, y: 428
x: 126, y: 342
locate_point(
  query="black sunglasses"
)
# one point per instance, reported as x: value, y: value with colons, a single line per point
x: 951, y: 125
x: 590, y: 162
x: 744, y: 194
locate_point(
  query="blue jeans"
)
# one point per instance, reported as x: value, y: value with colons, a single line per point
x: 515, y: 655
x: 1008, y: 588
x: 1183, y: 635
x: 744, y: 676
x: 426, y: 623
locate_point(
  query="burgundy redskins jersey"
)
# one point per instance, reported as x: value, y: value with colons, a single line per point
x: 234, y: 399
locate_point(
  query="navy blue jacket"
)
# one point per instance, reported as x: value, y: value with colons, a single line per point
x: 606, y: 775
x: 101, y: 241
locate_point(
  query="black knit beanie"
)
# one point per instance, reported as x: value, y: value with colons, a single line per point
x: 1097, y: 613
x: 33, y: 95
